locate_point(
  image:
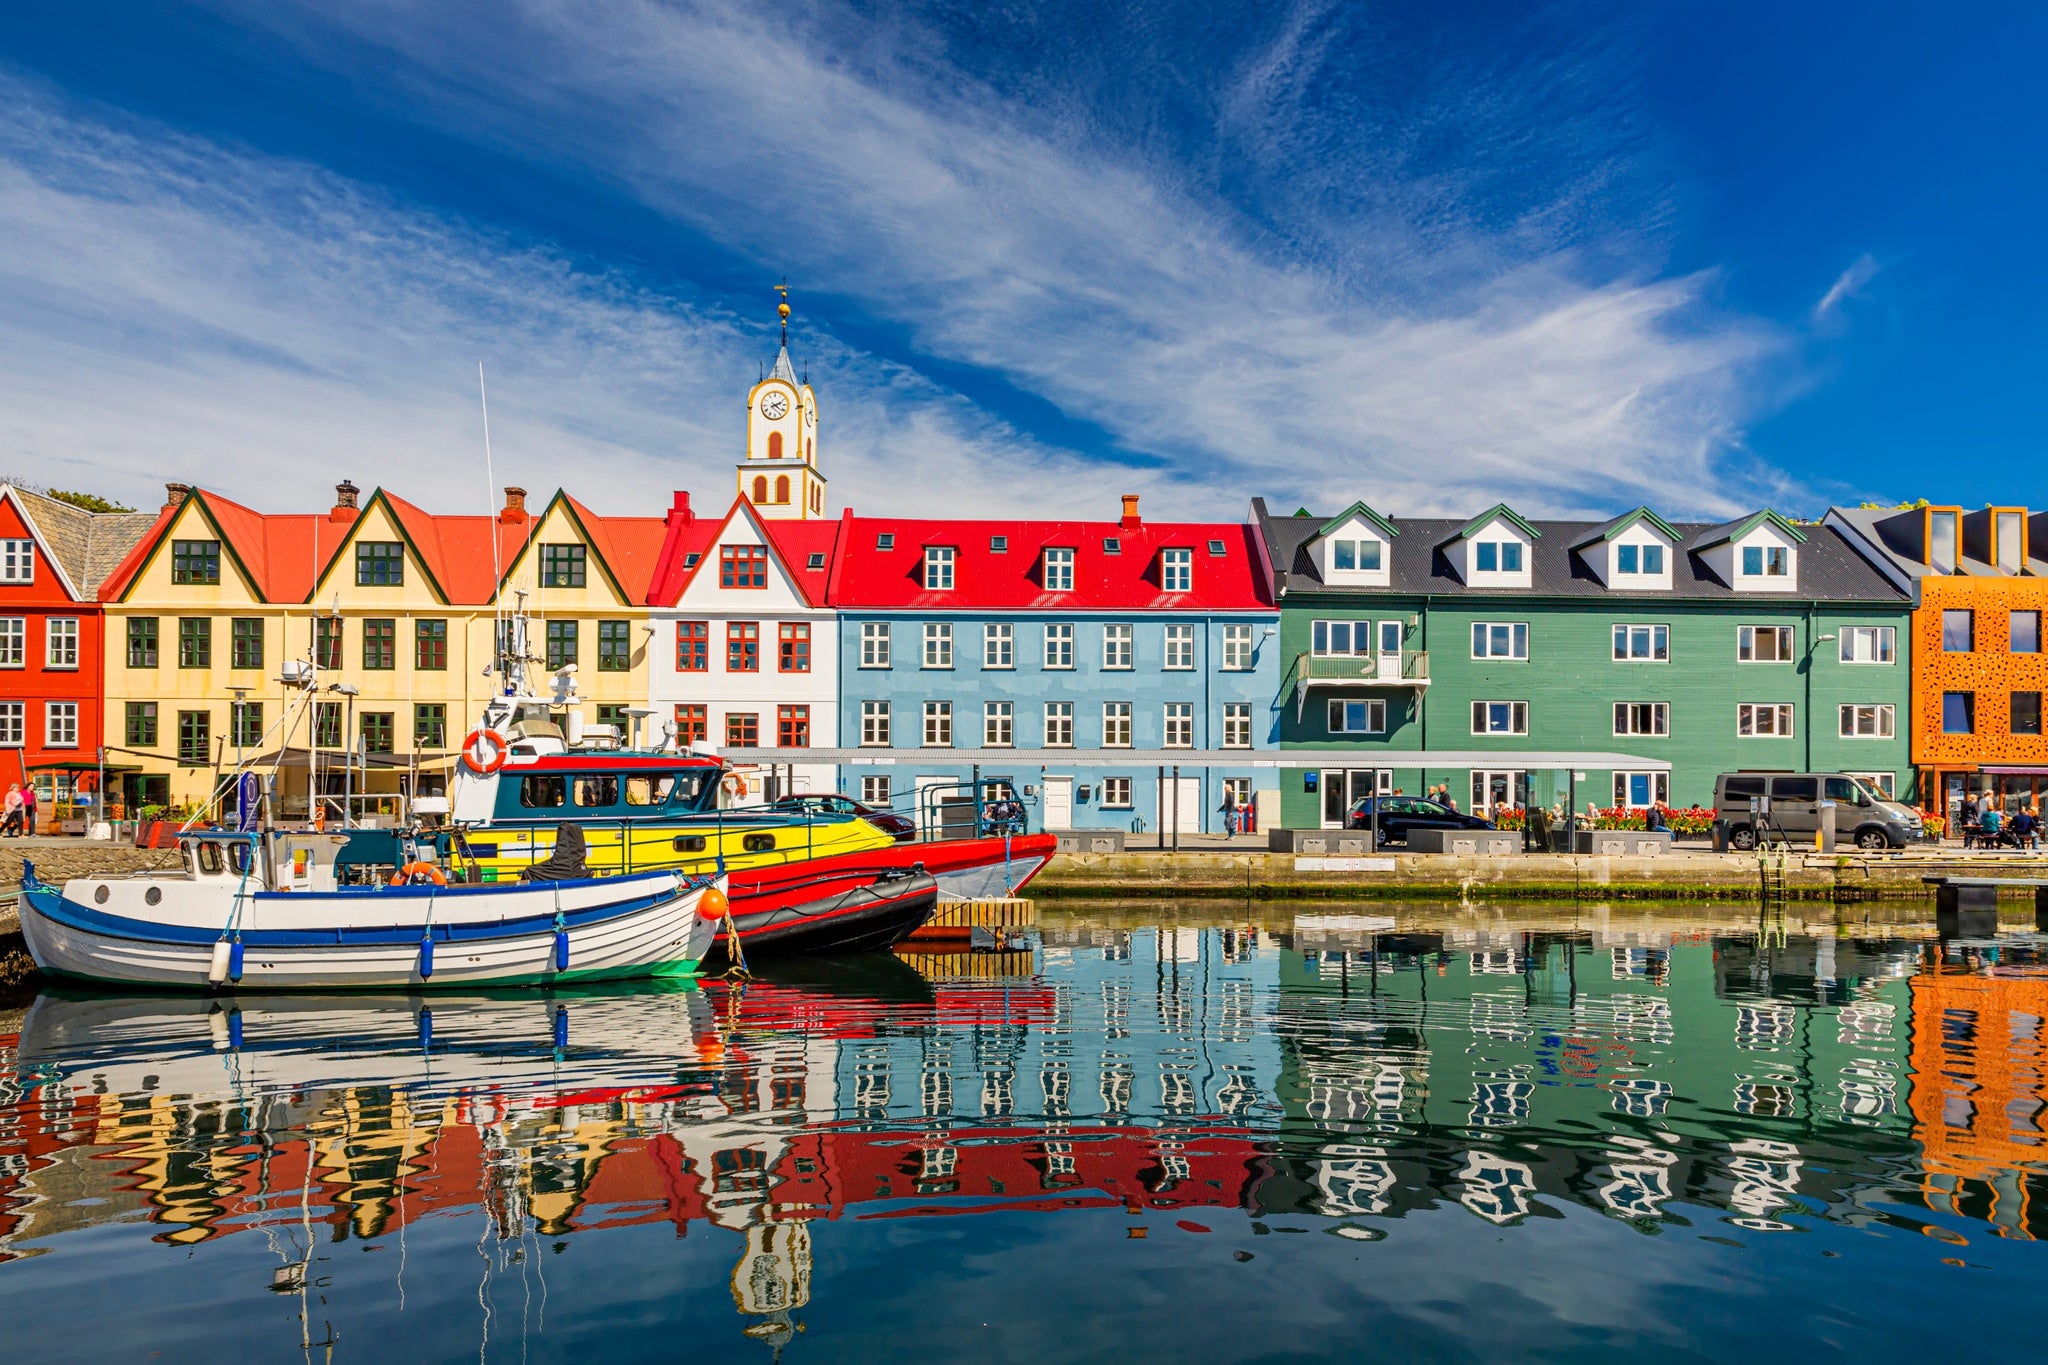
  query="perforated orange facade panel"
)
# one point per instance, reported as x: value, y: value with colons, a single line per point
x: 1989, y: 670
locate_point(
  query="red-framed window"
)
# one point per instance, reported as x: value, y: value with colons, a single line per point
x: 742, y: 730
x: 793, y: 647
x: 743, y: 566
x: 793, y: 727
x: 691, y: 724
x: 693, y: 646
x: 743, y: 646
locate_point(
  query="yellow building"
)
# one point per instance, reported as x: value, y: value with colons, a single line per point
x: 363, y: 631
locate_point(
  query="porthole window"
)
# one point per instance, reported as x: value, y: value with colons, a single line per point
x: 153, y: 896
x: 690, y: 843
x: 758, y: 843
x: 99, y: 894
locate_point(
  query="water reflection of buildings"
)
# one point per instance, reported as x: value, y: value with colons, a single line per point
x: 1336, y: 1073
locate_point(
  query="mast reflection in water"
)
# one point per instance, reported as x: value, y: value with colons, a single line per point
x: 1486, y: 1133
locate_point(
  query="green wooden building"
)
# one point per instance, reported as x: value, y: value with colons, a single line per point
x: 1756, y: 644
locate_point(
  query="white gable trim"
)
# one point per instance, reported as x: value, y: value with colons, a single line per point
x: 35, y: 531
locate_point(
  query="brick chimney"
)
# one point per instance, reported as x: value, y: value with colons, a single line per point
x: 679, y: 512
x: 1130, y: 511
x: 345, y: 494
x: 175, y: 494
x: 515, y: 504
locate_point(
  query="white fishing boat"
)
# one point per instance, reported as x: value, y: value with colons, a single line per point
x: 264, y: 910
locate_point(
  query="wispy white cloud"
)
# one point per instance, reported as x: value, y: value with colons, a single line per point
x: 1848, y: 285
x: 208, y: 305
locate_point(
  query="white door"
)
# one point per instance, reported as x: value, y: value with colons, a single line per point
x: 924, y: 813
x: 1188, y: 817
x: 1059, y: 803
x: 1390, y: 649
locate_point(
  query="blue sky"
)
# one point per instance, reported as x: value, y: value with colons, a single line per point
x: 1578, y: 256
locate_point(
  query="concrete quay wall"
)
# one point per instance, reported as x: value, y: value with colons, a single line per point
x: 1394, y: 876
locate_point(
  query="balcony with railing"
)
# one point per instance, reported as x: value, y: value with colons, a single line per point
x: 1410, y: 668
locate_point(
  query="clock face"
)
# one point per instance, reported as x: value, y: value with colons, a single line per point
x: 773, y: 406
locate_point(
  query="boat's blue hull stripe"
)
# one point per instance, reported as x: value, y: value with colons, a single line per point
x: 52, y: 905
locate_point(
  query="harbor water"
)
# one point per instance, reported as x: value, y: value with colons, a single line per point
x: 1165, y: 1132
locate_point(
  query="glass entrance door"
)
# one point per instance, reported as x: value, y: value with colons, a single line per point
x: 1493, y: 788
x: 1344, y: 788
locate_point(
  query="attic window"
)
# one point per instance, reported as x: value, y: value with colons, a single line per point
x: 885, y: 541
x: 1499, y: 556
x: 690, y: 560
x: 816, y: 561
x: 1216, y: 547
x: 1111, y: 545
x: 1639, y: 559
x: 999, y: 545
x: 1355, y: 556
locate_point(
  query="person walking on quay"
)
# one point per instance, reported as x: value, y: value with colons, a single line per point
x: 1229, y: 809
x: 1966, y: 820
x: 11, y: 827
x: 28, y: 807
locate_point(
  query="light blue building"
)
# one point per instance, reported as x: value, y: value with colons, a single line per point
x: 1108, y: 671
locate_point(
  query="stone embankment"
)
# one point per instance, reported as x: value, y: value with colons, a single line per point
x: 1685, y: 876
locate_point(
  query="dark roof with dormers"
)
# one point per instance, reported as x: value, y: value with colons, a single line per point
x: 1830, y: 566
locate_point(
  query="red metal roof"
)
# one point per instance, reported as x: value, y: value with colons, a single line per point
x: 1011, y: 579
x: 793, y: 543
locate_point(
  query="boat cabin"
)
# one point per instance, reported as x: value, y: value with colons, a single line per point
x: 280, y: 861
x: 585, y: 785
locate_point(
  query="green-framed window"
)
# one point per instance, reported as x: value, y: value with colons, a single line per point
x: 195, y: 642
x: 195, y: 738
x: 614, y: 646
x: 245, y: 642
x: 430, y: 725
x: 380, y: 732
x: 195, y: 561
x: 561, y: 644
x: 563, y: 566
x: 380, y: 642
x: 141, y: 727
x: 327, y: 642
x: 327, y: 725
x: 380, y: 563
x: 245, y: 724
x: 142, y: 642
x: 430, y: 644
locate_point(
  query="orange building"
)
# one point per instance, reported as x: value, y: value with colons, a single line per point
x: 1979, y: 673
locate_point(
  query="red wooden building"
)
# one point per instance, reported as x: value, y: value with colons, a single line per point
x: 52, y: 558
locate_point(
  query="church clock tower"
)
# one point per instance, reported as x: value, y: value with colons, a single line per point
x: 780, y: 474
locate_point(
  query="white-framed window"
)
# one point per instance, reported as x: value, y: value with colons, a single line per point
x: 1237, y: 648
x: 1868, y: 722
x: 1059, y: 725
x: 1116, y: 647
x: 1642, y: 644
x: 13, y: 641
x: 1646, y: 561
x: 1497, y: 556
x: 1642, y: 718
x: 874, y: 791
x: 874, y: 644
x: 1765, y: 561
x: 1500, y: 718
x: 17, y: 561
x: 1358, y: 717
x: 1116, y: 725
x: 63, y: 642
x: 938, y: 568
x: 1355, y: 556
x: 1059, y: 646
x: 1500, y: 639
x: 1342, y: 639
x: 1180, y: 725
x: 1763, y: 644
x: 1886, y: 783
x: 13, y: 726
x: 60, y: 724
x: 874, y: 724
x: 998, y: 725
x: 1638, y: 791
x: 938, y: 644
x: 1237, y: 725
x: 1757, y: 719
x: 1177, y: 570
x: 997, y: 639
x: 1869, y: 644
x: 1059, y: 569
x: 938, y: 725
x: 1116, y: 793
x: 1180, y: 647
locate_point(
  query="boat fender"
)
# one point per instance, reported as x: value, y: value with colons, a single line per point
x: 427, y: 955
x: 735, y: 786
x: 217, y: 970
x: 235, y: 1030
x: 561, y: 945
x: 561, y: 1026
x: 217, y: 1026
x: 405, y: 875
x: 714, y: 905
x: 485, y: 751
x: 426, y: 1029
x: 235, y: 959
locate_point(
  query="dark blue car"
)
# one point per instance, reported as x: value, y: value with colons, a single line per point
x: 1399, y: 814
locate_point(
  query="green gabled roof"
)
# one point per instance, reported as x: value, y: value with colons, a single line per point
x: 1608, y: 530
x: 1735, y: 530
x: 419, y: 556
x: 1499, y: 509
x: 1356, y: 509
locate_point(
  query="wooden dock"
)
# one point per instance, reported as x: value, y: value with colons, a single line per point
x: 997, y: 919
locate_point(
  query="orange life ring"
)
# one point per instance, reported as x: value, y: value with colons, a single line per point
x: 735, y: 785
x: 404, y: 875
x: 482, y: 742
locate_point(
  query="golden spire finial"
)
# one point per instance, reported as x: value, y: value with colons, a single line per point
x: 782, y: 308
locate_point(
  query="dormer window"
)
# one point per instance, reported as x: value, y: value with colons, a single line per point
x: 1177, y: 570
x: 938, y: 568
x: 885, y: 541
x: 2009, y: 540
x: 1641, y: 560
x: 1355, y: 556
x: 1059, y: 569
x: 1943, y: 538
x: 1498, y: 556
x: 1765, y: 561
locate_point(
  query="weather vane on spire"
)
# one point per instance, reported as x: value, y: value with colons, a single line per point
x: 782, y: 308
